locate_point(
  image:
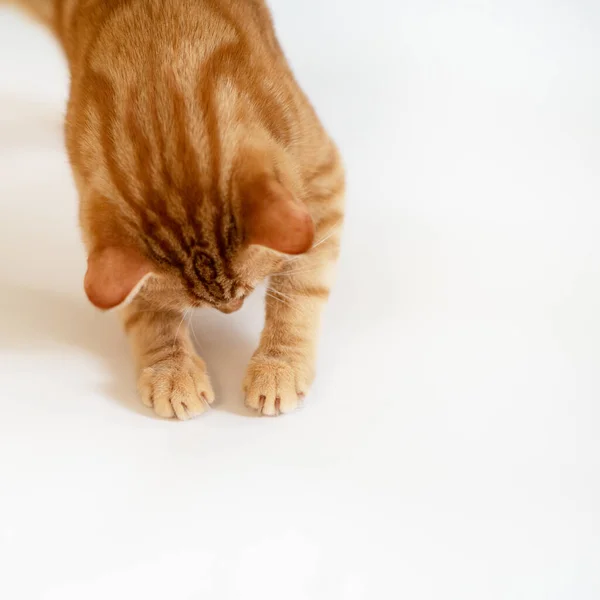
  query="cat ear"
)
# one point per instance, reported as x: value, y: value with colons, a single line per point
x: 274, y: 219
x: 114, y: 276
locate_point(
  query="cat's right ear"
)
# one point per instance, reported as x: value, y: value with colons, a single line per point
x: 115, y: 275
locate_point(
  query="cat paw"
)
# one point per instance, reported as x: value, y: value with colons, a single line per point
x: 273, y: 386
x: 177, y: 387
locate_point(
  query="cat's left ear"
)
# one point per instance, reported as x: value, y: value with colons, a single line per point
x: 274, y: 219
x: 115, y: 275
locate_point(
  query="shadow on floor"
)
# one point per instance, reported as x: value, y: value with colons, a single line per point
x: 42, y: 316
x: 25, y: 123
x: 32, y: 320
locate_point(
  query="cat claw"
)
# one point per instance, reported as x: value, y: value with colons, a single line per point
x: 176, y: 388
x: 272, y: 387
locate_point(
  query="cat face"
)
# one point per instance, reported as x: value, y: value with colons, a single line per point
x: 205, y: 279
x: 215, y: 259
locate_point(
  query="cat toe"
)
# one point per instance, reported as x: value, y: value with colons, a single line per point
x: 272, y: 387
x: 173, y: 390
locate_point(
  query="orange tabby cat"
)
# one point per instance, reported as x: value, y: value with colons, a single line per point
x: 202, y: 169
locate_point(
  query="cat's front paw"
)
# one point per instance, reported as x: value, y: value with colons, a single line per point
x: 177, y: 387
x: 273, y: 386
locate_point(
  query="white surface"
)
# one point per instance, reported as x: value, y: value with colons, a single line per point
x: 451, y: 447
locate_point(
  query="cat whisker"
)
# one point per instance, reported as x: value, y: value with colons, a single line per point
x: 274, y: 291
x: 284, y: 302
x: 327, y: 237
x: 331, y: 233
x: 193, y: 332
x: 185, y: 313
x: 285, y: 299
x: 273, y: 297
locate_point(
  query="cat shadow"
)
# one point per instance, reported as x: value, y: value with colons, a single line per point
x: 33, y: 319
x: 226, y: 343
x: 26, y: 123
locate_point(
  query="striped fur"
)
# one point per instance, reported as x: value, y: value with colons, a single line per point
x: 177, y: 107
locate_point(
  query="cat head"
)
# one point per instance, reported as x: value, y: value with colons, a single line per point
x: 187, y: 191
x: 204, y: 250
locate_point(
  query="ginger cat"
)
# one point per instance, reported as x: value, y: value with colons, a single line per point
x: 202, y: 170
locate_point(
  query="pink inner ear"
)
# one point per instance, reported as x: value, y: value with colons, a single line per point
x: 275, y: 220
x: 113, y: 274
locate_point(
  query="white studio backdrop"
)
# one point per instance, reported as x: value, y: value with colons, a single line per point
x: 450, y: 448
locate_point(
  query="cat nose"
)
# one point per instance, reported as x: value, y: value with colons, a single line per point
x: 232, y: 306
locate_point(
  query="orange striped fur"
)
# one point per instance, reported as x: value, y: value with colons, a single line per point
x: 202, y: 170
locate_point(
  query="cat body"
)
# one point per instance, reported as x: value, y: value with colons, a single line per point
x: 202, y: 170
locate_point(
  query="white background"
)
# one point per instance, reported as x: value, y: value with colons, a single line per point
x: 450, y: 449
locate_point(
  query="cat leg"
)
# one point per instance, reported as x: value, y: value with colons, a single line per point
x: 282, y: 368
x: 172, y: 378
